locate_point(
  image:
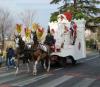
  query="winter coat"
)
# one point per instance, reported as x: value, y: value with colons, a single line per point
x: 49, y: 40
x: 10, y: 52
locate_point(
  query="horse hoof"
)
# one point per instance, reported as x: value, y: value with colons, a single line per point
x: 28, y: 71
x: 16, y: 73
x: 48, y: 70
x: 34, y: 73
x: 45, y: 67
x: 7, y: 69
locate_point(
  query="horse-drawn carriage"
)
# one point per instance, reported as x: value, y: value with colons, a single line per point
x: 69, y: 44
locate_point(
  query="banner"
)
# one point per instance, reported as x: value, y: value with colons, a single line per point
x: 40, y: 32
x: 27, y: 32
x: 19, y: 28
x: 35, y: 26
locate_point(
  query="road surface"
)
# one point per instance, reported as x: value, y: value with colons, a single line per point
x: 86, y: 73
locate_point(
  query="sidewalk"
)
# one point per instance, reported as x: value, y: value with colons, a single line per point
x: 3, y: 64
x: 91, y: 52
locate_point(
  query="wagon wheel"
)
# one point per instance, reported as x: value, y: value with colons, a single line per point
x: 71, y: 60
x: 62, y: 61
x: 54, y: 59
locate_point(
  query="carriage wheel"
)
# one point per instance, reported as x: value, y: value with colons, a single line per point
x: 62, y: 61
x: 70, y: 59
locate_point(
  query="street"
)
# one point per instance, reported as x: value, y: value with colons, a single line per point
x: 86, y: 73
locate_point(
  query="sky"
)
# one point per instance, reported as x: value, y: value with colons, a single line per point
x: 42, y: 7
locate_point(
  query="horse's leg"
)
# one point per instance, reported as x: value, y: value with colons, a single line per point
x: 28, y: 68
x: 17, y: 65
x: 48, y: 59
x: 44, y: 64
x: 48, y: 67
x: 35, y: 65
x: 45, y: 55
x: 28, y: 60
x: 44, y: 60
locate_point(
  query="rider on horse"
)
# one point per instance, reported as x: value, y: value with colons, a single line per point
x: 50, y: 41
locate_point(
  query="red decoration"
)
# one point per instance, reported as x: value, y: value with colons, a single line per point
x: 75, y: 30
x: 75, y: 26
x: 40, y: 30
x: 18, y: 28
x: 68, y: 16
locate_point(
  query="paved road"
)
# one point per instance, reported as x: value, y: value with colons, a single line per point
x: 84, y: 74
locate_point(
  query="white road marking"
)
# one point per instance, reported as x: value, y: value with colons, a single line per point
x: 28, y: 81
x: 92, y: 58
x: 58, y: 69
x: 3, y: 68
x: 7, y: 74
x: 57, y: 81
x: 4, y: 80
x: 89, y: 59
x: 85, y: 82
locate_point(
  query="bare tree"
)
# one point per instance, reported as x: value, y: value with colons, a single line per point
x: 5, y: 24
x: 28, y: 17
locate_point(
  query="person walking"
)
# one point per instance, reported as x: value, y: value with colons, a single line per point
x: 10, y: 57
x: 1, y: 59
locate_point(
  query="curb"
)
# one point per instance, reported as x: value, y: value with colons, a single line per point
x: 91, y: 53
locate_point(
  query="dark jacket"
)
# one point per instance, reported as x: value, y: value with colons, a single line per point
x: 49, y: 40
x: 10, y: 52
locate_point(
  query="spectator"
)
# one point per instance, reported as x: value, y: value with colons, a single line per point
x: 10, y: 57
x: 1, y: 60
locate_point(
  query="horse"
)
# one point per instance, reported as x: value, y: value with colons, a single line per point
x: 40, y: 53
x: 21, y: 53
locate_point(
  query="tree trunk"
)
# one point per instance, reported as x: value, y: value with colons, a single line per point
x: 2, y: 39
x: 98, y: 34
x: 75, y: 4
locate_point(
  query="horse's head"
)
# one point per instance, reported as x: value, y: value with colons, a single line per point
x: 35, y: 39
x: 17, y: 37
x: 18, y: 41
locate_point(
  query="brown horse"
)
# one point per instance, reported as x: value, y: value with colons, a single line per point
x: 40, y: 53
